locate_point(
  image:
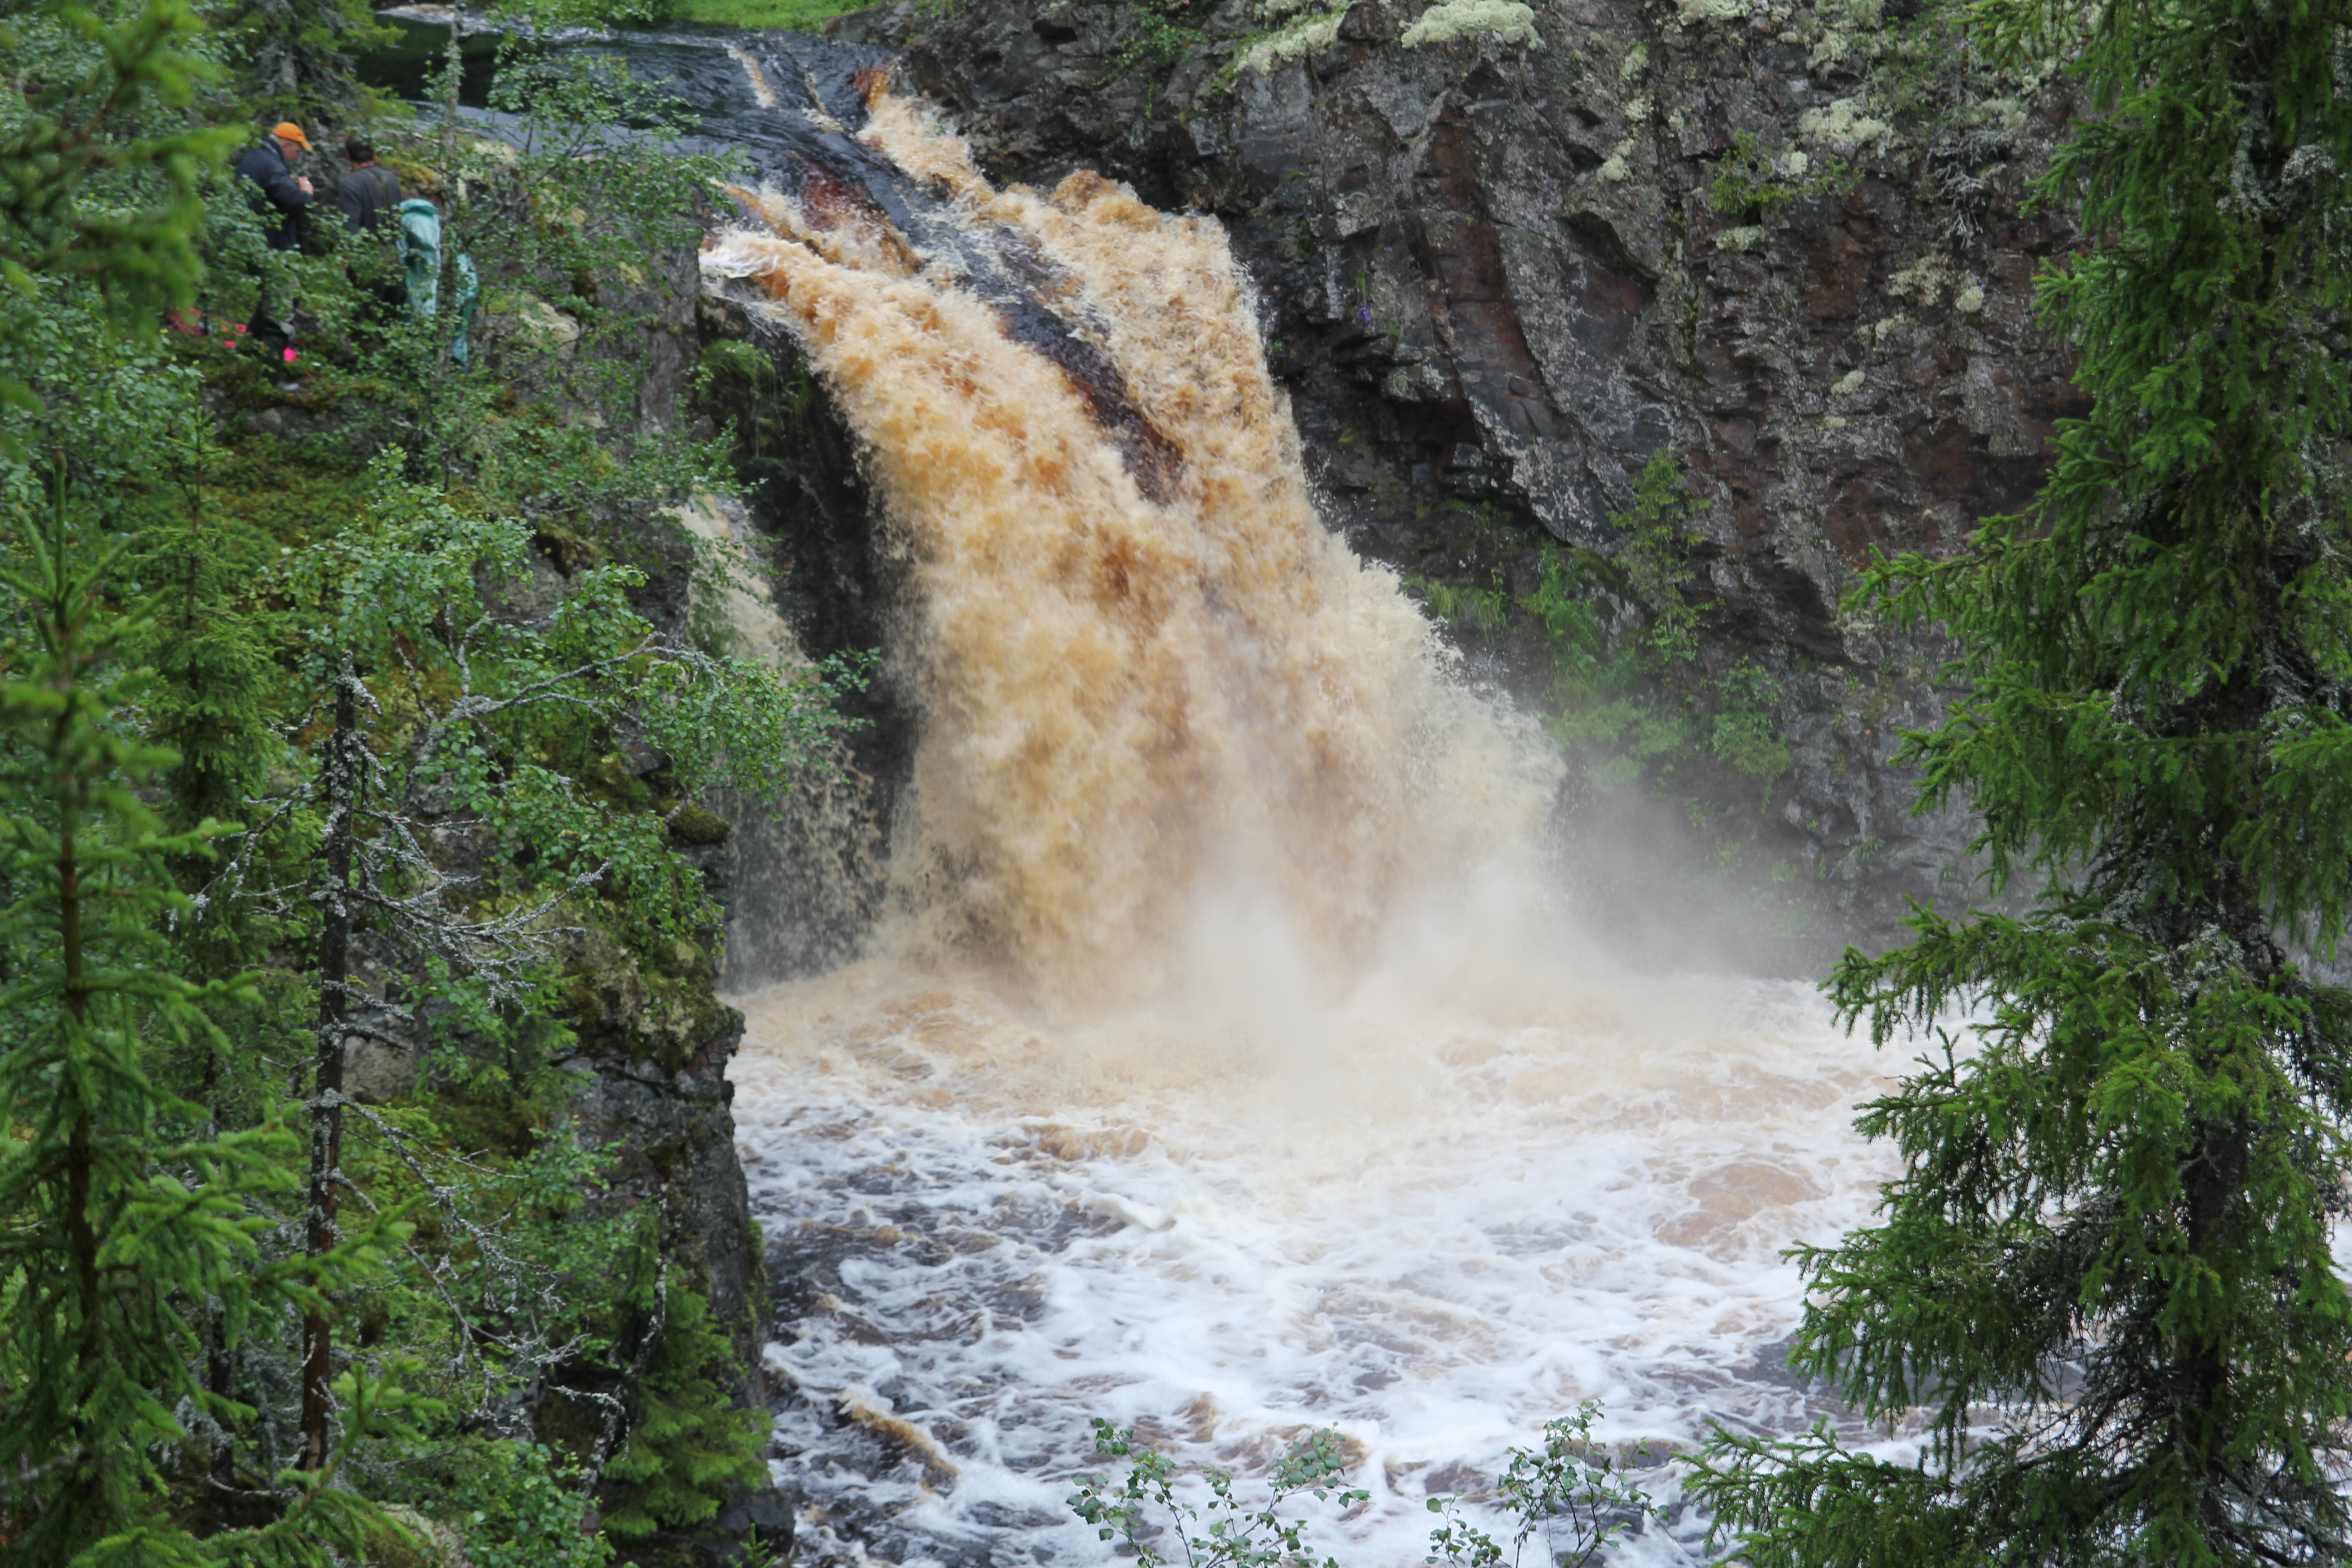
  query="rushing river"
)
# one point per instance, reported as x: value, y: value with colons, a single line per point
x: 1229, y: 1065
x: 1432, y: 1218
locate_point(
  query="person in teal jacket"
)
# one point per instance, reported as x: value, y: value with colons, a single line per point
x: 420, y: 253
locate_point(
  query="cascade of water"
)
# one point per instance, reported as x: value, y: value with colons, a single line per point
x: 1145, y: 670
x: 1224, y: 1068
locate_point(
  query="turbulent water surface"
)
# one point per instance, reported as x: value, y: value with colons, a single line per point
x: 1229, y: 1066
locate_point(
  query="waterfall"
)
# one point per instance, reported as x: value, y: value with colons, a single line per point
x: 1226, y: 1066
x: 1147, y: 674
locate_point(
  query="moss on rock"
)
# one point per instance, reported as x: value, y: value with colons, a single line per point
x: 692, y: 826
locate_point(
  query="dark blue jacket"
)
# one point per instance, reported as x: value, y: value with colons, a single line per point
x: 266, y: 167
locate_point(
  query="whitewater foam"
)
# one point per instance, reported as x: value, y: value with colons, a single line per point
x: 1434, y: 1239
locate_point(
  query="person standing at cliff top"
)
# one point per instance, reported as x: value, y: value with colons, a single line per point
x: 369, y: 192
x: 368, y: 197
x: 269, y: 167
x: 420, y: 250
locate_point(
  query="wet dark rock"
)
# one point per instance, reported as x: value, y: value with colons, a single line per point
x: 674, y: 1139
x: 753, y: 1526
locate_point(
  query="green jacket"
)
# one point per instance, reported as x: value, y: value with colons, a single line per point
x: 420, y: 252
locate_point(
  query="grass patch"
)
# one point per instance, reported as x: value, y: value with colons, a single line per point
x: 797, y: 16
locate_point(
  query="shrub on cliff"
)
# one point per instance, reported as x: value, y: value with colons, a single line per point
x: 2105, y: 1278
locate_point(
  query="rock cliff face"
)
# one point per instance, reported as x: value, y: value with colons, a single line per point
x: 1783, y: 244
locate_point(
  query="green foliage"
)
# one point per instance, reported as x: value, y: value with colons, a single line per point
x: 298, y: 56
x: 767, y: 407
x: 495, y: 1291
x: 1564, y: 1486
x: 794, y: 16
x: 220, y: 576
x: 1559, y: 1488
x: 1741, y: 732
x: 519, y: 1508
x: 474, y: 709
x: 132, y: 1225
x: 1224, y: 1531
x: 1479, y: 611
x: 1650, y: 705
x: 2105, y: 1277
x: 108, y: 399
x: 1604, y: 701
x: 1633, y: 707
x: 1656, y: 560
x: 98, y: 176
x: 119, y: 426
x: 686, y: 1446
x: 1750, y: 184
x: 1162, y: 36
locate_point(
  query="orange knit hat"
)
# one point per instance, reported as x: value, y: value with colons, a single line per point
x: 287, y: 130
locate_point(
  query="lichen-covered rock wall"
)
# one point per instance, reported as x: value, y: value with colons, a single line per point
x: 1783, y: 242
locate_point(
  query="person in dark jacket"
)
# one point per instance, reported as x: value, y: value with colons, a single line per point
x: 369, y: 199
x: 369, y: 193
x: 269, y: 165
x: 269, y: 168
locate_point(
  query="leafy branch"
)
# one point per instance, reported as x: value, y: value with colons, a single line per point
x: 1561, y: 1486
x: 1234, y: 1535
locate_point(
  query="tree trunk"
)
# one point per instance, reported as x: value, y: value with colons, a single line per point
x: 81, y: 1235
x: 456, y: 69
x: 342, y: 781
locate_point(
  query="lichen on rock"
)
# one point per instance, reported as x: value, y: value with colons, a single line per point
x: 1923, y: 280
x: 1845, y: 125
x: 1297, y: 39
x: 1448, y: 20
x: 1694, y: 13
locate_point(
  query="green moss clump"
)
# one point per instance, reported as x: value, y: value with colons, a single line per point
x: 291, y: 491
x: 692, y: 825
x: 656, y: 999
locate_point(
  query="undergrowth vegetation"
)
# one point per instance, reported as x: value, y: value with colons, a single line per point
x: 355, y: 726
x: 1569, y: 1494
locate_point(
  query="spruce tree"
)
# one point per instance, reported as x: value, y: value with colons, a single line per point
x: 2103, y: 1282
x: 687, y: 1443
x: 127, y: 1225
x: 96, y: 112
